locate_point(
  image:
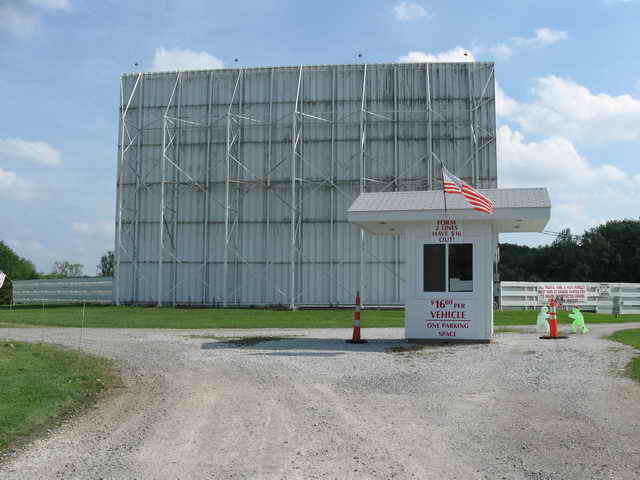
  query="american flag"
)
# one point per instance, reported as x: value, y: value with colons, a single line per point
x: 2, y: 277
x: 477, y: 201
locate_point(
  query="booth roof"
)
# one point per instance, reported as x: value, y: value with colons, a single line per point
x: 516, y: 209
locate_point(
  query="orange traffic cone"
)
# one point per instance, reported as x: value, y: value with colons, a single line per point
x: 553, y: 322
x: 356, y: 322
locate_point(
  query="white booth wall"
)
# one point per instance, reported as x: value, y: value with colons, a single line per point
x: 464, y: 315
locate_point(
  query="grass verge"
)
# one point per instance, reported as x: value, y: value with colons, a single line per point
x: 192, y: 318
x: 528, y: 317
x: 630, y: 337
x: 41, y: 384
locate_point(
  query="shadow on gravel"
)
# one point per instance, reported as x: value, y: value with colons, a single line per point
x: 298, y: 354
x: 326, y: 345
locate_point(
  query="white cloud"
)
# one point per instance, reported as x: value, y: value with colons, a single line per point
x: 16, y: 149
x: 20, y: 18
x: 16, y: 21
x: 501, y: 51
x: 457, y: 54
x: 12, y: 186
x: 406, y: 11
x: 543, y: 37
x: 583, y: 194
x: 51, y: 4
x: 101, y: 227
x: 553, y: 160
x: 178, y: 59
x: 564, y: 108
x: 505, y: 105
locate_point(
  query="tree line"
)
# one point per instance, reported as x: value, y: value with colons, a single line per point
x: 19, y: 268
x: 607, y: 253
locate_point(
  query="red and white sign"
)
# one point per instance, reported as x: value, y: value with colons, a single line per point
x: 446, y: 230
x: 447, y: 317
x: 566, y: 293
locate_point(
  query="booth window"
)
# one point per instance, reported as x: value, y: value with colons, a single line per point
x: 448, y: 268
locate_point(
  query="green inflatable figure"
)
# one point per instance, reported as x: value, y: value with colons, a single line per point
x: 578, y: 320
x: 542, y: 325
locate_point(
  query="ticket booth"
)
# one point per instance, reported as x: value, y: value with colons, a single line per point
x: 449, y: 255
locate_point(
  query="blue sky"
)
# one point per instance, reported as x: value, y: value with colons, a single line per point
x: 568, y: 104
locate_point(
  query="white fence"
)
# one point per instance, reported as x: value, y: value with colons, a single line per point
x: 64, y: 291
x: 600, y: 297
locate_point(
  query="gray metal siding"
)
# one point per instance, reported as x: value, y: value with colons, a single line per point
x: 229, y: 141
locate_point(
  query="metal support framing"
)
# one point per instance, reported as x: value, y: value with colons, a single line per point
x: 125, y: 212
x: 173, y: 178
x: 206, y: 199
x: 231, y: 208
x: 164, y: 224
x: 296, y: 134
x: 480, y: 138
x: 472, y: 134
x: 267, y: 194
x: 333, y: 294
x: 138, y: 174
x: 429, y: 129
x: 285, y: 179
x: 396, y: 186
x: 363, y: 182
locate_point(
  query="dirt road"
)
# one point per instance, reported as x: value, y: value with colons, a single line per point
x: 313, y: 407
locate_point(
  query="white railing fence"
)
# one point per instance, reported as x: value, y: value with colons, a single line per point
x: 91, y: 290
x: 623, y: 298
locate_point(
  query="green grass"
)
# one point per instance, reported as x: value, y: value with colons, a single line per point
x: 196, y: 318
x: 630, y: 337
x: 528, y: 317
x: 40, y: 384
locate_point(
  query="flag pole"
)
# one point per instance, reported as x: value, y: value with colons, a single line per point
x: 444, y: 195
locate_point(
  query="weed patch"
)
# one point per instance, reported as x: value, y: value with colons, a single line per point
x: 630, y: 337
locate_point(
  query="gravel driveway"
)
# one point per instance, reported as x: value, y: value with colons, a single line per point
x: 313, y: 406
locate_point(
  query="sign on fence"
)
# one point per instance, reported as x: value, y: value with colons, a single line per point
x: 565, y: 293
